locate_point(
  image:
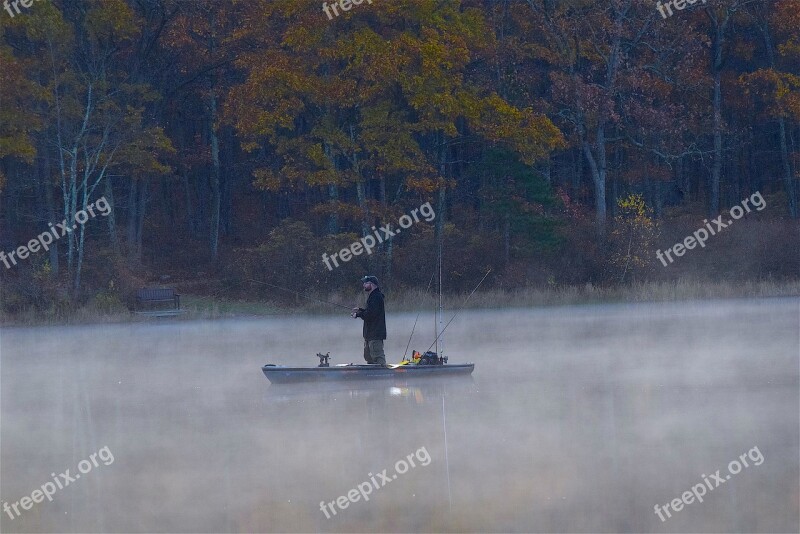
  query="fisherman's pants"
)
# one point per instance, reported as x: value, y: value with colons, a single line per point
x: 373, y: 351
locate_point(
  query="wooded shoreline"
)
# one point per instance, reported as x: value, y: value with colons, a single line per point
x: 199, y: 307
x: 558, y: 144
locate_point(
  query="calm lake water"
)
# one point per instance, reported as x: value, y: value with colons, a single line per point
x: 577, y: 419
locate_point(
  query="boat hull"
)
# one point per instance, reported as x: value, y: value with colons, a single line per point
x: 278, y: 374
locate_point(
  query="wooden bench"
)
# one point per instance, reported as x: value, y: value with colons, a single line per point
x: 157, y: 302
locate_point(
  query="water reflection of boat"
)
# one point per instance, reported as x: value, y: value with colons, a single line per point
x: 376, y: 418
x: 279, y: 374
x: 398, y: 389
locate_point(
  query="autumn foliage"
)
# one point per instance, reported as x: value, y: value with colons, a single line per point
x: 241, y: 140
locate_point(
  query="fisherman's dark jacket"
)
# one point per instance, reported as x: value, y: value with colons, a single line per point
x: 374, y: 316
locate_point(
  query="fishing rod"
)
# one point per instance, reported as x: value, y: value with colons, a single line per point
x: 459, y: 310
x: 302, y: 295
x: 415, y: 320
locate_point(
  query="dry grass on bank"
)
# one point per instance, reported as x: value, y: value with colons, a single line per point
x: 588, y: 294
x: 199, y: 307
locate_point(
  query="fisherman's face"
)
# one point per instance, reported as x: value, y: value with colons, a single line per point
x: 368, y: 287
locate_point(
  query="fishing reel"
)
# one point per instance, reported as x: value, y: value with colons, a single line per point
x: 323, y: 359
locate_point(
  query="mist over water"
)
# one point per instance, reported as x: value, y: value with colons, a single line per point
x: 576, y: 419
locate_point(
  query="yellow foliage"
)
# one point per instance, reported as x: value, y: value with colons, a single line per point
x: 633, y: 236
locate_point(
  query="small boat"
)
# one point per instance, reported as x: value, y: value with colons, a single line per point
x: 427, y: 366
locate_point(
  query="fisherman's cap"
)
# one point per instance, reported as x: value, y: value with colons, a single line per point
x: 372, y: 279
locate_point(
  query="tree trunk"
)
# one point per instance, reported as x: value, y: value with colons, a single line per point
x: 791, y: 189
x: 70, y: 202
x: 226, y: 178
x: 598, y: 168
x: 79, y: 266
x: 716, y: 169
x: 718, y: 44
x: 506, y: 239
x: 140, y: 211
x: 388, y: 268
x: 51, y: 210
x: 111, y: 219
x: 577, y: 173
x: 166, y: 197
x: 215, y: 174
x: 789, y: 182
x: 214, y: 137
x: 133, y: 204
x: 598, y: 163
x: 333, y: 193
x: 81, y: 239
x: 191, y: 214
x: 387, y: 257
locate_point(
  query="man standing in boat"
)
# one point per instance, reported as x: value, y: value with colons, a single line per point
x: 374, y: 317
